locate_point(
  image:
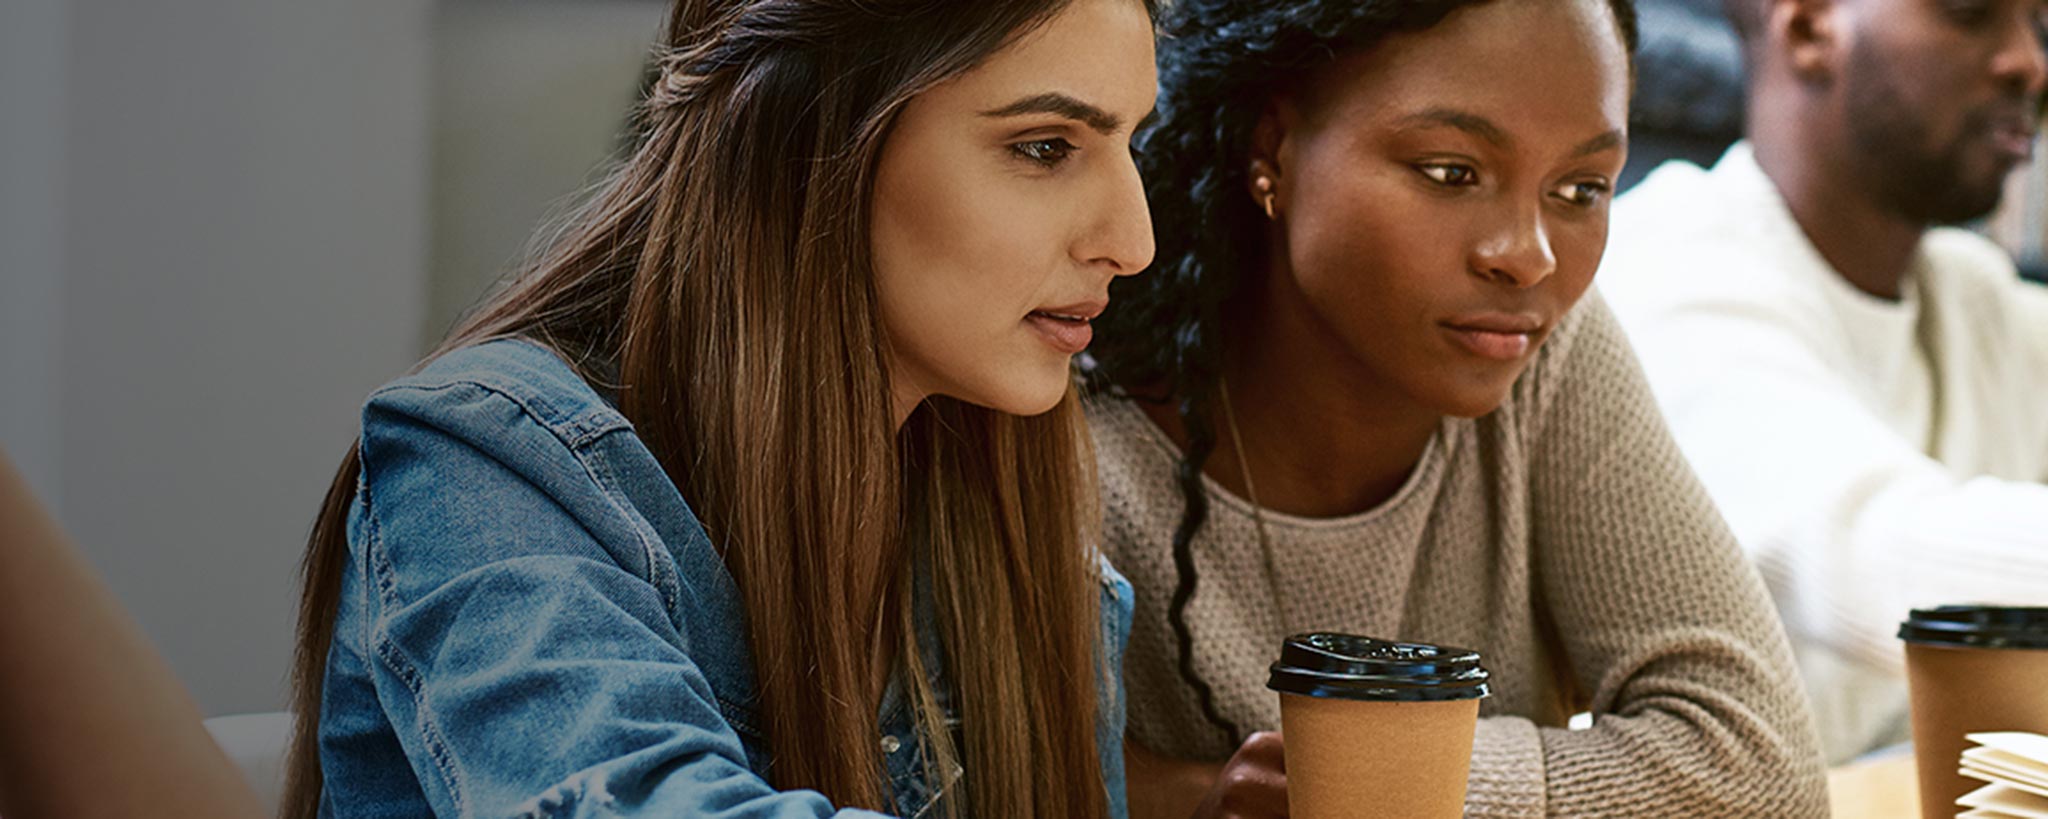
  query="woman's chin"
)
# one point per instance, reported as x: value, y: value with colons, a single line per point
x: 1035, y: 395
x: 1034, y: 405
x: 1474, y: 402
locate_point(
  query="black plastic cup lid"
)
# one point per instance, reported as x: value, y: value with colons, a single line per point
x: 1346, y: 666
x: 1977, y: 627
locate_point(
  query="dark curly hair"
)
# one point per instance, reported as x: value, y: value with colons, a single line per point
x: 1220, y: 62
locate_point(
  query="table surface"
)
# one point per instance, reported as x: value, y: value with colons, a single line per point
x: 1884, y: 788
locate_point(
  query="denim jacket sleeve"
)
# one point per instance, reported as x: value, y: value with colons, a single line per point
x: 530, y: 665
x: 1113, y: 704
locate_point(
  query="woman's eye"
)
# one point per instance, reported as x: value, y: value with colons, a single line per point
x: 1450, y: 175
x: 1047, y: 152
x: 1583, y: 194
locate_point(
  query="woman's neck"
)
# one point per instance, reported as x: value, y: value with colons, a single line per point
x: 1323, y: 437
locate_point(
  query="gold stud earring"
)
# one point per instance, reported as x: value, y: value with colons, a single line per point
x: 1264, y: 184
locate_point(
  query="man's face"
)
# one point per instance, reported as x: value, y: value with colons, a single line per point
x: 1942, y: 98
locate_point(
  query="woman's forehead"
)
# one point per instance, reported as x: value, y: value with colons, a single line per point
x: 1096, y: 51
x: 1517, y: 63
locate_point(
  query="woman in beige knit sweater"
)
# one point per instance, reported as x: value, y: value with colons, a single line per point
x: 1365, y: 388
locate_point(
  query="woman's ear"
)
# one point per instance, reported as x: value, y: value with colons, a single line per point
x: 1263, y: 176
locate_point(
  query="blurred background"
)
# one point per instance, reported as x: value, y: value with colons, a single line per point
x: 223, y: 222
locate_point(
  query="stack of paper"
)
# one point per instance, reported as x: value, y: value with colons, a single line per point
x: 2016, y: 765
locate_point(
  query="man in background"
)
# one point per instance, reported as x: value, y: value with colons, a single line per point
x: 1863, y: 390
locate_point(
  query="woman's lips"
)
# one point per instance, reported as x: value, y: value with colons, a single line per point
x: 1496, y: 336
x: 1490, y: 344
x: 1067, y: 334
x: 1065, y: 326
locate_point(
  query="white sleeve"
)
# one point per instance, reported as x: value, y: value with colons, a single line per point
x: 1850, y: 523
x: 2030, y: 309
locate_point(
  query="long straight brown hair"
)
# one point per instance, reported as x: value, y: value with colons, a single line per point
x: 720, y: 281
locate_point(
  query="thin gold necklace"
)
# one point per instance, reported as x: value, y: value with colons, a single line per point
x: 1244, y: 472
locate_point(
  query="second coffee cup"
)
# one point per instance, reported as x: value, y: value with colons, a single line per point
x: 1970, y: 669
x: 1376, y: 728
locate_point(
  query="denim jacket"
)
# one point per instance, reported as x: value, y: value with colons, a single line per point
x: 533, y: 623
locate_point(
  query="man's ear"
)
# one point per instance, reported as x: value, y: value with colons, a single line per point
x: 1812, y: 35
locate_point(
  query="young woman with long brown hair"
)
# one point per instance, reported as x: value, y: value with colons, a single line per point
x: 765, y: 491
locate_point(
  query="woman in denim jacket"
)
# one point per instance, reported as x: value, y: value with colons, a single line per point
x: 765, y: 491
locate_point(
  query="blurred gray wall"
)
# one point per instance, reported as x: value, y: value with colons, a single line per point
x: 222, y: 223
x: 31, y: 247
x: 530, y: 99
x: 225, y: 224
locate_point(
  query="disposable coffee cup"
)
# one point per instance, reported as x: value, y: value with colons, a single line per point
x: 1970, y: 669
x: 1376, y: 728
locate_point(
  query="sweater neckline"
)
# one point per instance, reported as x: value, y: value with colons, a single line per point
x: 1427, y: 468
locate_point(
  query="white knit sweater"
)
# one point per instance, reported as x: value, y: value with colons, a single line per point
x: 1873, y: 456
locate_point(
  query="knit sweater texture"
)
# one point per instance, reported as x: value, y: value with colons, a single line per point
x: 1562, y: 536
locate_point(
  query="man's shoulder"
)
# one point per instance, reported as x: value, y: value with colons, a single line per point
x: 1972, y: 281
x: 1680, y: 218
x: 1966, y: 261
x: 1667, y: 198
x: 1688, y: 240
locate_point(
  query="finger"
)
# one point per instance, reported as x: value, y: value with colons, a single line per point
x: 1264, y: 749
x: 1263, y: 801
x: 1252, y: 791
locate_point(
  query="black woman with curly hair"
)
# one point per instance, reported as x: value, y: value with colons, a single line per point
x: 1365, y: 388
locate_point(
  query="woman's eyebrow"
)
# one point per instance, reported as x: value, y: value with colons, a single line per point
x: 1095, y: 118
x: 1604, y: 142
x: 1485, y: 129
x: 1466, y: 121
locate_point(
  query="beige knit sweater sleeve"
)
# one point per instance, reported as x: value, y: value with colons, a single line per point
x: 1664, y: 626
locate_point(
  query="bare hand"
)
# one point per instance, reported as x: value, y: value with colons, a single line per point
x: 1252, y: 785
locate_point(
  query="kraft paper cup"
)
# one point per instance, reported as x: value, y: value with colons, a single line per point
x: 1969, y: 669
x: 1376, y: 728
